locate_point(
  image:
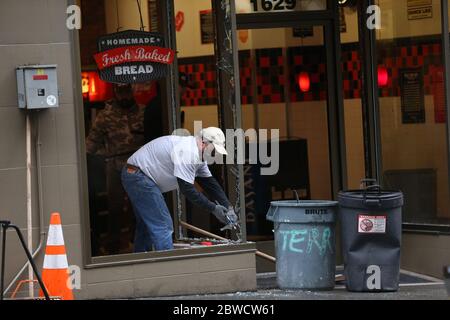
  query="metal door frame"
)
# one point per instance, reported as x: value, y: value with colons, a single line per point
x: 329, y: 19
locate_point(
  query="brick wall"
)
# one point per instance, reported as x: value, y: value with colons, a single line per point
x: 404, y: 53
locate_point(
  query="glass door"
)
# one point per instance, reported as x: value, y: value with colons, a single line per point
x: 285, y: 91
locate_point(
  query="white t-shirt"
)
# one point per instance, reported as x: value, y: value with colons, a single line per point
x: 170, y: 157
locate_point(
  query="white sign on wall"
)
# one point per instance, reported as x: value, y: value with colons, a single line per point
x: 420, y: 9
x: 420, y: 13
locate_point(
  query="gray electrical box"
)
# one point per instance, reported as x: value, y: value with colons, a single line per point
x: 37, y: 87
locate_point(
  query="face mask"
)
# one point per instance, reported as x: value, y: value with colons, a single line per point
x: 126, y: 103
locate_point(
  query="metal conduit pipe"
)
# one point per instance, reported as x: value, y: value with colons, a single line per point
x: 42, y: 232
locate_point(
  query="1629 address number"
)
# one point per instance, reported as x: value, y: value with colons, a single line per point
x: 277, y: 5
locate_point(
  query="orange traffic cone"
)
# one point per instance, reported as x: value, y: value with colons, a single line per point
x: 55, y: 272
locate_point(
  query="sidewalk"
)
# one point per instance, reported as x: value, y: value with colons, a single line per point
x: 412, y: 287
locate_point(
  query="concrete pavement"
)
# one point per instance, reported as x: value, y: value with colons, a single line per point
x: 412, y: 287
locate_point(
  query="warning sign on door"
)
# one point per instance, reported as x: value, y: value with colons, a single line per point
x: 371, y: 224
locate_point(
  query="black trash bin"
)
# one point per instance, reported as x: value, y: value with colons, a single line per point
x: 371, y: 229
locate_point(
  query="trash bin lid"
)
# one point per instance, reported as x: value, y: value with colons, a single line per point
x: 362, y: 198
x: 304, y: 203
x: 302, y: 211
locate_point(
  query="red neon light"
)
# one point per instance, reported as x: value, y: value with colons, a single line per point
x: 304, y: 81
x: 383, y: 76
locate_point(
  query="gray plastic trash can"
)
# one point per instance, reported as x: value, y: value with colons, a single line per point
x: 304, y: 243
x: 371, y: 230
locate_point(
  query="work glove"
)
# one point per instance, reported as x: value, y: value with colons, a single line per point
x: 232, y: 217
x: 221, y: 213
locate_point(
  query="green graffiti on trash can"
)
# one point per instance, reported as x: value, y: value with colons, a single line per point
x: 292, y: 239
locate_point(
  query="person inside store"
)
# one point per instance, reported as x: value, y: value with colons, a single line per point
x: 117, y: 132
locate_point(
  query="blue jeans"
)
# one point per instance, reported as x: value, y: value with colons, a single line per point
x: 153, y: 221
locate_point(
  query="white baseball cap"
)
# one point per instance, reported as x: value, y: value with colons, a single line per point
x: 216, y: 137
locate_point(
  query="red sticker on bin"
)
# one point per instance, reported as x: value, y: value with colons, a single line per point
x: 371, y: 224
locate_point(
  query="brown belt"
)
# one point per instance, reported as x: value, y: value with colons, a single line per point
x: 131, y: 168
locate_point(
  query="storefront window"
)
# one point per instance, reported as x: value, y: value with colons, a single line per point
x: 113, y: 133
x: 412, y: 108
x: 114, y: 130
x: 283, y: 77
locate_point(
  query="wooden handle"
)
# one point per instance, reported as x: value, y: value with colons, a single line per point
x: 265, y: 256
x: 201, y: 231
x: 215, y: 236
